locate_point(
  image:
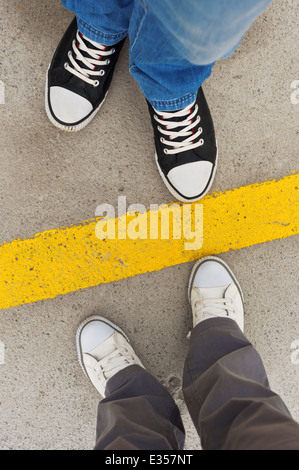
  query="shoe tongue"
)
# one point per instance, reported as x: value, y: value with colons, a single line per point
x: 178, y: 118
x: 89, y: 45
x: 96, y: 46
x: 103, y: 349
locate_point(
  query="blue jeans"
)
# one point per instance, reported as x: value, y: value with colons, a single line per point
x: 173, y: 43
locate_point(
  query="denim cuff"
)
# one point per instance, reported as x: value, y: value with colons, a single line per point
x: 98, y: 36
x: 173, y: 105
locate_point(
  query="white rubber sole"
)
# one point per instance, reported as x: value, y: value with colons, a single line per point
x: 177, y: 195
x: 80, y: 328
x: 65, y: 127
x: 219, y: 260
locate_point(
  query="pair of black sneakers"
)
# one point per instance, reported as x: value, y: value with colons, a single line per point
x: 78, y: 81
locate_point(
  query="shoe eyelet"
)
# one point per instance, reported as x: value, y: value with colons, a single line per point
x: 66, y: 65
x: 165, y: 151
x: 201, y: 141
x: 96, y: 83
x: 112, y: 50
x: 107, y: 61
x: 162, y: 140
x: 102, y: 72
x: 159, y: 128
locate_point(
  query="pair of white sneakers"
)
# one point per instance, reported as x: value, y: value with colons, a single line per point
x: 104, y: 349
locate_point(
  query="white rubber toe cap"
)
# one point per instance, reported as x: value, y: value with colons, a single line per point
x: 211, y: 274
x: 93, y: 334
x: 191, y: 179
x: 67, y: 106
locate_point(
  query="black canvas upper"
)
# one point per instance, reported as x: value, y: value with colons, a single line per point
x: 207, y: 151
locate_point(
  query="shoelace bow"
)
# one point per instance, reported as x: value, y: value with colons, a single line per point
x: 91, y: 60
x: 188, y: 140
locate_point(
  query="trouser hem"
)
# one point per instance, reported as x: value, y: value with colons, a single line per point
x: 173, y: 105
x: 98, y: 36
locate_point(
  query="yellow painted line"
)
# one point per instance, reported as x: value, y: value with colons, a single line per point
x: 59, y: 261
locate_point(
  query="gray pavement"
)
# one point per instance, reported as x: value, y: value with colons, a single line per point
x: 50, y: 179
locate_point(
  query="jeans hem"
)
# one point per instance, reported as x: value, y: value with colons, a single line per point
x: 173, y: 105
x: 98, y: 36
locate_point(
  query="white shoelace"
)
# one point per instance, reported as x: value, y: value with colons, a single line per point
x: 93, y: 60
x: 224, y: 307
x: 108, y: 366
x: 187, y: 129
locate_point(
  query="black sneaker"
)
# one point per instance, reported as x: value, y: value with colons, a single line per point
x: 186, y: 149
x: 78, y: 79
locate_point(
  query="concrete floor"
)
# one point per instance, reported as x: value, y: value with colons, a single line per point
x: 50, y: 179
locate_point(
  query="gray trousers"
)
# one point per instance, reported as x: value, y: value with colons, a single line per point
x: 226, y: 390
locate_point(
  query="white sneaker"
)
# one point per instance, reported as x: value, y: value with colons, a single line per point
x: 215, y: 292
x: 103, y: 350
